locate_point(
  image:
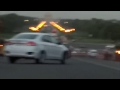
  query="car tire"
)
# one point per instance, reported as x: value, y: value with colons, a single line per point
x: 41, y: 59
x: 12, y: 59
x: 64, y: 57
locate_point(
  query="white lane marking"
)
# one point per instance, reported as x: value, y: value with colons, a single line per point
x: 101, y: 65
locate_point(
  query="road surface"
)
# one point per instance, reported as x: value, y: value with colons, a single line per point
x: 89, y: 45
x: 76, y: 68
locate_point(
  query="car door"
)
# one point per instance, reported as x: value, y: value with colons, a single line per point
x: 57, y: 48
x: 48, y: 45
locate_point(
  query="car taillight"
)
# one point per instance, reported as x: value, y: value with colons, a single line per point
x: 1, y: 45
x: 31, y: 44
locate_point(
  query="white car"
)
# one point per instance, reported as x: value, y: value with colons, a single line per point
x: 37, y: 46
x: 92, y: 53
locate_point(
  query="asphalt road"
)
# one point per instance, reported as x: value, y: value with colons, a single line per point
x: 76, y: 68
x: 89, y: 45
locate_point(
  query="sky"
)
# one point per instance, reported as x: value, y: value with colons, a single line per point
x: 70, y: 14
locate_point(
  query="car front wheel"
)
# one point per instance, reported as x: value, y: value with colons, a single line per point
x: 12, y: 59
x: 64, y: 57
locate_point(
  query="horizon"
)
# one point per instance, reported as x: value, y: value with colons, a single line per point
x: 57, y: 18
x: 106, y: 15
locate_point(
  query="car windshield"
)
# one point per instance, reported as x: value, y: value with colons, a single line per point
x: 25, y: 36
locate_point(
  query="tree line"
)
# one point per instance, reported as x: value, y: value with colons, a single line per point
x: 11, y: 22
x: 97, y: 28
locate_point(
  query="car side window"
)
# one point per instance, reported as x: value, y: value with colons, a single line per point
x: 46, y: 38
x: 54, y: 40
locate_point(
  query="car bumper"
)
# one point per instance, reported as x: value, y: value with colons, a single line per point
x: 21, y: 55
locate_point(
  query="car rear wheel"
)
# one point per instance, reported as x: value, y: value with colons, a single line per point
x: 42, y: 58
x: 12, y: 59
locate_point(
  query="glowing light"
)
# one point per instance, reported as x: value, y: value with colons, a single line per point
x: 26, y: 20
x: 38, y: 27
x: 69, y: 30
x: 65, y: 22
x: 42, y: 24
x: 118, y: 52
x: 1, y: 45
x: 57, y: 26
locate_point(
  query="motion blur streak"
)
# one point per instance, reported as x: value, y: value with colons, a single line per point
x: 38, y: 27
x: 57, y: 26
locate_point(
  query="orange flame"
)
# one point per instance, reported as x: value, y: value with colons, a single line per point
x: 57, y: 26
